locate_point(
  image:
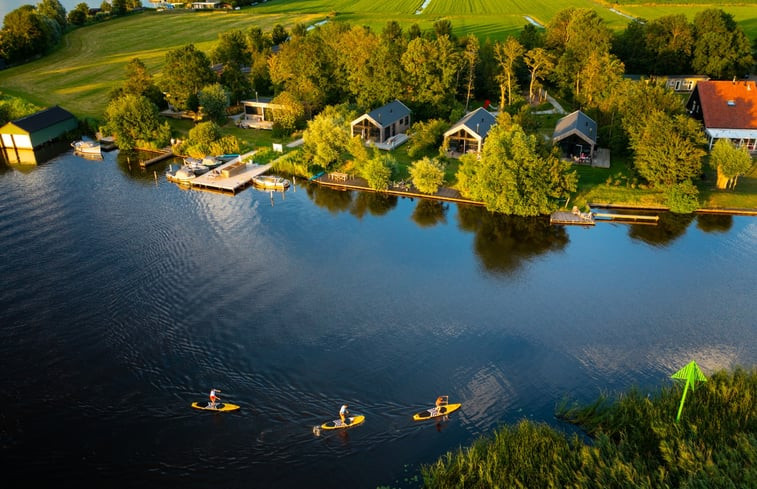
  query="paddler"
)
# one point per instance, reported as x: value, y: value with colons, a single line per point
x: 343, y: 413
x: 441, y: 401
x: 214, y: 397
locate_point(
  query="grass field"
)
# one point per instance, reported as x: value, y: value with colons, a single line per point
x: 91, y: 60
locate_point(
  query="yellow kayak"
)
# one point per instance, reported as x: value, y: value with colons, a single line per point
x: 337, y: 423
x: 220, y: 406
x: 436, y: 412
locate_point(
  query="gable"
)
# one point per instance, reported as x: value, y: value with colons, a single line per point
x: 387, y: 115
x: 476, y: 123
x: 727, y: 104
x: 576, y: 124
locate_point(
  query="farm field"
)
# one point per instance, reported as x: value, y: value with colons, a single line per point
x: 91, y: 60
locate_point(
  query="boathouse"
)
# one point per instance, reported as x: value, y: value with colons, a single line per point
x: 576, y: 134
x: 728, y: 110
x: 468, y: 134
x: 33, y: 131
x: 383, y: 124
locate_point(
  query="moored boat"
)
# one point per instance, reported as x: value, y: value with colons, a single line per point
x: 197, y: 166
x: 271, y: 182
x: 182, y: 175
x: 87, y: 147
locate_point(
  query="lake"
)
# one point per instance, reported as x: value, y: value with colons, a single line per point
x: 126, y: 298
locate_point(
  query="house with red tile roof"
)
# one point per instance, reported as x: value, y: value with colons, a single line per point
x: 728, y: 110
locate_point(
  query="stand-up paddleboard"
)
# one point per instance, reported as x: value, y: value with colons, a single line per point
x: 436, y: 412
x: 338, y: 424
x: 220, y: 406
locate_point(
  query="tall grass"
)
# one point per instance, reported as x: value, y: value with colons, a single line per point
x: 635, y: 443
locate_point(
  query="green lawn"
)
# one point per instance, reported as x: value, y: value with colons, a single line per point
x: 91, y: 60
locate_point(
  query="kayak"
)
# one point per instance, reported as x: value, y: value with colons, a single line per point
x: 220, y: 406
x: 337, y: 423
x: 435, y: 412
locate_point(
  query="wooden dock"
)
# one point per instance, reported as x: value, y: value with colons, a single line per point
x: 165, y: 154
x: 566, y: 217
x: 626, y: 217
x: 231, y: 177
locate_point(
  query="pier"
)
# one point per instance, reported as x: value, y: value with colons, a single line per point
x: 230, y: 177
x: 574, y: 217
x: 626, y: 217
x: 164, y: 154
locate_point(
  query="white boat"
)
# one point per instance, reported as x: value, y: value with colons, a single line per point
x: 271, y: 182
x: 182, y: 175
x: 87, y: 147
x: 196, y: 166
x: 211, y: 162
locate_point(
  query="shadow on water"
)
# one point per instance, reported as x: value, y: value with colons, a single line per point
x: 714, y: 223
x: 25, y: 160
x: 332, y: 200
x: 502, y: 242
x: 373, y: 204
x: 669, y: 228
x: 429, y: 213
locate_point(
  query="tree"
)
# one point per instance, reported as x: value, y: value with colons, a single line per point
x: 134, y: 122
x: 377, y: 171
x: 507, y: 55
x: 540, y: 63
x: 730, y: 162
x: 78, y: 15
x: 206, y: 139
x: 669, y: 40
x: 279, y: 34
x: 427, y: 175
x: 598, y: 76
x: 213, y: 101
x: 425, y: 135
x: 186, y: 71
x: 300, y: 68
x: 119, y: 7
x: 232, y: 48
x: 327, y: 136
x: 27, y: 33
x: 140, y: 82
x: 721, y: 49
x: 289, y: 111
x: 431, y: 68
x: 668, y: 150
x: 682, y: 198
x: 470, y: 57
x: 513, y: 176
x: 54, y: 10
x: 236, y: 82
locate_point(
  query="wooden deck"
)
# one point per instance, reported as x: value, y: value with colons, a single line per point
x: 230, y: 177
x: 164, y: 154
x: 566, y: 217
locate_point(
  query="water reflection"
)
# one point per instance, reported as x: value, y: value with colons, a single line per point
x: 669, y: 228
x: 334, y: 201
x: 502, y: 242
x: 714, y: 223
x: 374, y: 203
x: 25, y: 159
x: 429, y: 213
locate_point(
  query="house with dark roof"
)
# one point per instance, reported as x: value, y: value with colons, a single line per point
x: 728, y: 110
x: 468, y: 134
x: 381, y: 125
x: 576, y: 134
x: 35, y: 130
x: 258, y: 113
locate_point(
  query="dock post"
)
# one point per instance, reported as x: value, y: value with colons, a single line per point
x: 155, y: 174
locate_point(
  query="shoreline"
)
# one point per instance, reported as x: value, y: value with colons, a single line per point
x: 451, y: 195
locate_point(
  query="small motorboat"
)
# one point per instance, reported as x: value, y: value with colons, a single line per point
x: 211, y: 162
x: 271, y: 182
x: 87, y: 147
x: 196, y: 166
x: 182, y: 175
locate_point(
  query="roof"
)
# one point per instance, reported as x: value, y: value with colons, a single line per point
x: 477, y: 123
x: 43, y: 119
x: 728, y: 104
x: 576, y: 123
x: 389, y: 113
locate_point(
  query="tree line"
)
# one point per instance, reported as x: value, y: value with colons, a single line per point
x: 33, y: 30
x: 329, y: 74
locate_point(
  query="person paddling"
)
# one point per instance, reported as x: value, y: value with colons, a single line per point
x: 343, y: 413
x: 441, y: 401
x: 214, y: 397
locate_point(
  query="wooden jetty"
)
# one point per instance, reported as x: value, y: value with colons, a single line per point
x: 231, y: 177
x: 165, y: 154
x: 626, y: 217
x: 577, y: 218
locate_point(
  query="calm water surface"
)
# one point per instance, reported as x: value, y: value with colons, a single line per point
x: 124, y: 299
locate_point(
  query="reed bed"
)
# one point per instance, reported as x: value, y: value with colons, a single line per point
x: 632, y: 441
